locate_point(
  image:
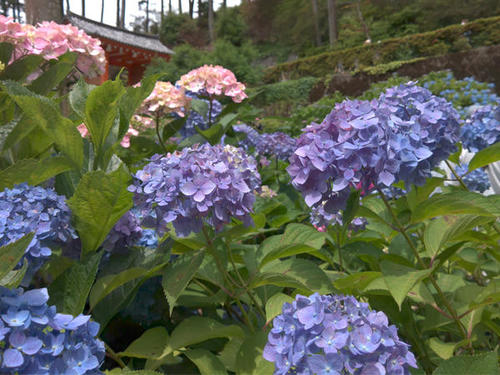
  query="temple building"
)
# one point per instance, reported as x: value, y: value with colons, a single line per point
x: 124, y: 49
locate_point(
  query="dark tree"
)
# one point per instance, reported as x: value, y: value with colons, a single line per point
x: 317, y: 33
x: 43, y: 10
x: 332, y: 21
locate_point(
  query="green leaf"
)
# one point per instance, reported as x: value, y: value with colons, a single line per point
x: 150, y: 345
x: 274, y: 305
x: 20, y: 69
x: 101, y: 111
x: 216, y: 131
x: 207, y: 363
x: 61, y: 130
x: 434, y: 235
x: 54, y: 74
x: 484, y: 363
x: 126, y: 371
x: 197, y: 329
x: 357, y: 282
x: 443, y: 349
x: 297, y: 239
x: 400, y: 279
x: 351, y: 209
x: 78, y: 97
x: 172, y: 127
x: 100, y: 200
x: 200, y: 106
x: 6, y: 52
x: 7, y: 108
x: 484, y: 157
x: 178, y: 275
x: 14, y: 278
x: 250, y: 359
x: 457, y: 203
x: 106, y: 284
x: 295, y: 273
x: 33, y: 171
x: 70, y: 290
x: 11, y: 254
x: 22, y: 129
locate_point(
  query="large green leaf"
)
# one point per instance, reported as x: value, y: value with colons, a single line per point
x: 274, y: 305
x: 297, y: 239
x: 20, y: 69
x: 216, y: 131
x: 101, y: 111
x: 100, y: 200
x: 457, y: 203
x: 486, y: 156
x: 20, y: 130
x: 70, y: 290
x: 178, y: 275
x: 250, y: 360
x: 14, y: 278
x: 78, y: 97
x: 6, y: 52
x: 207, y: 363
x: 61, y: 130
x: 54, y: 75
x: 33, y: 171
x: 400, y: 279
x: 357, y: 282
x: 126, y: 371
x: 150, y: 345
x: 11, y: 254
x: 484, y: 363
x: 197, y: 329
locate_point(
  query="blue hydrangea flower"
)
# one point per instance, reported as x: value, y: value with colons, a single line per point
x: 25, y: 209
x: 35, y: 339
x: 401, y: 135
x: 482, y: 128
x: 126, y: 233
x: 276, y: 144
x: 477, y: 180
x: 335, y: 335
x: 195, y: 119
x: 149, y: 238
x: 321, y: 219
x: 200, y: 184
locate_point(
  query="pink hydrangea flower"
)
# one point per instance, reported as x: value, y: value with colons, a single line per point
x: 165, y: 98
x: 126, y: 138
x: 213, y: 81
x: 84, y: 132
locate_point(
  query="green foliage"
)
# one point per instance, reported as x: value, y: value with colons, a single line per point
x: 231, y: 26
x: 11, y: 254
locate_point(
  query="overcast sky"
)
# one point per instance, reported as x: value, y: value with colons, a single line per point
x: 93, y: 8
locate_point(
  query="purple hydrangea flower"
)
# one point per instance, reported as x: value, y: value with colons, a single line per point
x: 321, y: 219
x: 276, y: 144
x: 195, y: 119
x: 25, y: 209
x: 401, y: 135
x: 335, y: 335
x: 200, y: 184
x: 477, y: 180
x: 482, y: 128
x: 126, y: 232
x: 34, y: 339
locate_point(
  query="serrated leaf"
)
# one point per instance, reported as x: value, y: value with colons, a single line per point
x: 70, y: 290
x: 61, y: 130
x: 250, y: 360
x: 207, y: 363
x: 357, y: 282
x: 14, y: 278
x: 400, y: 279
x: 150, y: 345
x: 274, y: 305
x: 20, y: 69
x: 178, y: 275
x: 33, y: 171
x: 484, y: 157
x: 197, y: 329
x: 6, y: 52
x: 78, y: 97
x: 11, y: 254
x: 443, y: 349
x: 54, y: 75
x: 434, y: 235
x: 100, y: 200
x: 485, y: 363
x: 124, y: 371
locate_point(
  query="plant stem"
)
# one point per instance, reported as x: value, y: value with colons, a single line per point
x: 457, y: 177
x: 401, y: 230
x: 210, y: 100
x: 111, y: 354
x: 157, y: 123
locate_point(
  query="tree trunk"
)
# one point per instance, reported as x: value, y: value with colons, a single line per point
x: 180, y: 6
x: 122, y: 21
x: 211, y: 31
x: 332, y: 22
x: 102, y: 11
x: 162, y: 11
x: 169, y: 6
x: 191, y: 8
x: 362, y: 20
x: 43, y: 10
x: 224, y: 4
x: 147, y: 16
x: 83, y: 8
x: 317, y: 34
x: 117, y: 13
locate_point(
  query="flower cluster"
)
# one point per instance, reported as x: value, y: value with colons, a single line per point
x: 165, y: 99
x: 401, y: 135
x: 35, y: 339
x: 213, y: 81
x: 51, y: 40
x: 477, y: 180
x: 335, y: 335
x: 482, y: 128
x: 126, y: 233
x: 195, y: 119
x: 276, y: 144
x: 202, y: 183
x: 321, y: 219
x: 25, y: 209
x: 125, y: 142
